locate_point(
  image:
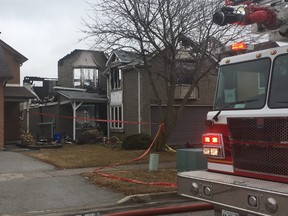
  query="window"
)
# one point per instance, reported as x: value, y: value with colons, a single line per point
x: 116, y: 116
x: 85, y: 77
x: 185, y: 75
x: 278, y: 97
x: 115, y: 78
x: 85, y: 114
x: 243, y: 85
x: 185, y: 72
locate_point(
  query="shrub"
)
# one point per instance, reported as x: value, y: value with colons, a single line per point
x: 91, y: 136
x: 137, y: 141
x: 27, y: 139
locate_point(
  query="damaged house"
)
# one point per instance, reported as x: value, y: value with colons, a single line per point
x: 132, y: 101
x: 76, y: 100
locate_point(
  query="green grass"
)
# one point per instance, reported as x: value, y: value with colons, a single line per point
x: 82, y: 156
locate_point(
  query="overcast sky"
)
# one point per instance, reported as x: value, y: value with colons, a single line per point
x: 44, y: 31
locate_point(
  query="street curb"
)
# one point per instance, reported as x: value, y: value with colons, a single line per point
x: 127, y: 203
x: 142, y: 198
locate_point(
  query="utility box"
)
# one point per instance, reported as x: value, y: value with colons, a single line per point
x: 190, y: 159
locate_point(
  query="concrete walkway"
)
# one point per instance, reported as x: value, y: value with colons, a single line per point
x: 30, y: 186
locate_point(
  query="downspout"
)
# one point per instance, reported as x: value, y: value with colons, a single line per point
x: 139, y: 97
x: 108, y: 123
x: 108, y: 108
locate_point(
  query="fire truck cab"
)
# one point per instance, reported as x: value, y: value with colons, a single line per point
x: 247, y: 138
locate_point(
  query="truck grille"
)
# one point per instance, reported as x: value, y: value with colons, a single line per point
x: 261, y: 159
x: 255, y: 144
x: 271, y: 129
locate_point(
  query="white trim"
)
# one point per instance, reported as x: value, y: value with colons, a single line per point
x: 75, y: 106
x: 13, y: 85
x: 67, y: 88
x: 116, y: 109
x: 220, y: 167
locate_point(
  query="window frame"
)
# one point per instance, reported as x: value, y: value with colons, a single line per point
x: 81, y: 81
x: 115, y: 78
x: 116, y: 114
x: 260, y: 88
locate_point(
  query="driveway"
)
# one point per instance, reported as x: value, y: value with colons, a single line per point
x: 30, y: 186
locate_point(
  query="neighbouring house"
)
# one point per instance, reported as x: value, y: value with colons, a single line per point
x: 91, y: 88
x: 75, y: 101
x: 11, y: 94
x: 131, y: 99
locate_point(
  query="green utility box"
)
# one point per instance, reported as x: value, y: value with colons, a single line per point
x: 190, y: 159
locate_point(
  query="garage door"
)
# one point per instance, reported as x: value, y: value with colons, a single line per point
x: 189, y: 128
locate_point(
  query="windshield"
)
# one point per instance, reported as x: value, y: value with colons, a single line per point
x: 279, y: 84
x: 242, y: 85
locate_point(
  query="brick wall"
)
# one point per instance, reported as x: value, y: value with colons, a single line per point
x: 14, y: 67
x: 1, y: 115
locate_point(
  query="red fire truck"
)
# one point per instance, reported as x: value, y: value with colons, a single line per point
x: 247, y: 131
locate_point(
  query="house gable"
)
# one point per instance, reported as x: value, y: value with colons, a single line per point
x: 73, y: 67
x: 18, y: 57
x: 121, y: 57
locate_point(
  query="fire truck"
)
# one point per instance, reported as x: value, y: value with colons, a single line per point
x: 246, y: 142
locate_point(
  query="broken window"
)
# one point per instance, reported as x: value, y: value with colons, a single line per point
x: 115, y: 78
x: 86, y: 77
x: 116, y: 117
x: 86, y: 115
x: 185, y: 72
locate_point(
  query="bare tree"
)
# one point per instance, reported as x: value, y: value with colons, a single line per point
x: 157, y: 27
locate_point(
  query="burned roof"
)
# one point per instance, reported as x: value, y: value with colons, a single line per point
x: 122, y: 57
x: 127, y: 57
x: 99, y: 58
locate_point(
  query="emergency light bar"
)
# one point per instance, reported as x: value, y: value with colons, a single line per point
x: 239, y: 46
x: 235, y: 47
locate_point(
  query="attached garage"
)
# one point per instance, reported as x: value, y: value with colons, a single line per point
x: 189, y: 128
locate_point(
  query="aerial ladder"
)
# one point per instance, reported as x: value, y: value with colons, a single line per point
x: 265, y: 16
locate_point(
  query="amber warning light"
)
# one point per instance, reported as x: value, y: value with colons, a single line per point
x: 235, y: 48
x: 238, y: 46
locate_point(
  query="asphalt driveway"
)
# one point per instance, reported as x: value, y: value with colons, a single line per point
x: 31, y: 186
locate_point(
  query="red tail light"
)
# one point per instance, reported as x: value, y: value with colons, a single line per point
x: 213, y: 145
x: 212, y: 139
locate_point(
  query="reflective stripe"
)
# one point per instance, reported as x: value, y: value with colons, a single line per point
x: 220, y: 167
